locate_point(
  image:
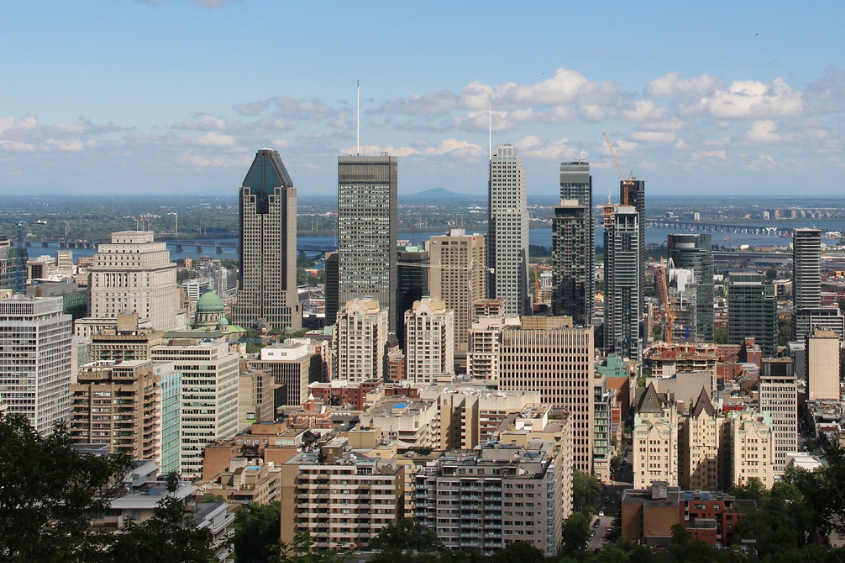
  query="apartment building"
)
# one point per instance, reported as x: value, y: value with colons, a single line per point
x: 655, y: 440
x: 429, y: 341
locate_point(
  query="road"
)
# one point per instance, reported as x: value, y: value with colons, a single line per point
x: 610, y: 503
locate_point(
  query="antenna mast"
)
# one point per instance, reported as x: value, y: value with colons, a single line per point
x: 358, y: 118
x: 490, y: 142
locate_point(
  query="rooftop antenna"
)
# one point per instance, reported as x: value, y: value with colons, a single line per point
x: 490, y: 142
x: 358, y: 118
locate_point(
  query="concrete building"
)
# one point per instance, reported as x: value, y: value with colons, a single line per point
x: 622, y: 278
x: 458, y: 276
x: 632, y: 193
x: 209, y: 405
x: 822, y: 365
x: 35, y: 360
x: 256, y: 396
x: 125, y: 341
x: 573, y: 245
x: 779, y: 398
x: 170, y: 382
x: 134, y: 274
x: 702, y: 445
x: 213, y: 270
x: 655, y: 440
x: 118, y: 404
x: 292, y: 366
x: 558, y: 361
x: 497, y: 495
x: 367, y: 231
x: 267, y: 251
x: 414, y: 423
x: 484, y: 355
x: 360, y: 341
x: 752, y: 311
x: 751, y: 449
x: 603, y: 449
x: 507, y: 231
x: 695, y: 252
x: 429, y: 341
x: 321, y: 494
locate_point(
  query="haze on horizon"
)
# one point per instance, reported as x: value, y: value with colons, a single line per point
x: 150, y: 97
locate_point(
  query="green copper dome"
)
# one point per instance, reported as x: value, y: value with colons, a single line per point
x: 210, y: 303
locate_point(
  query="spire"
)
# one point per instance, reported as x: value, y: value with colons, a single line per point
x: 650, y: 402
x: 703, y: 404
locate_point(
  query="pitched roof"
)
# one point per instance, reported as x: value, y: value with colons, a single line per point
x: 703, y: 404
x: 650, y: 402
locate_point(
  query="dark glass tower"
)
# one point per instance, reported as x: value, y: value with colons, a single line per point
x: 412, y: 286
x: 752, y: 311
x: 366, y: 231
x: 622, y: 269
x: 573, y: 245
x: 632, y: 192
x: 695, y: 252
x: 267, y: 278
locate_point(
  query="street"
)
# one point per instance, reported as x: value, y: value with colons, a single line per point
x: 610, y: 503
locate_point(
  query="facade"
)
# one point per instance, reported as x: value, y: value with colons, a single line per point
x: 292, y: 366
x: 496, y: 495
x: 134, y: 274
x: 703, y: 446
x: 267, y: 251
x: 332, y: 287
x: 574, y: 245
x: 655, y: 440
x: 321, y: 493
x: 412, y: 284
x: 458, y: 276
x: 360, y: 341
x: 13, y: 259
x: 622, y: 278
x: 118, y: 404
x: 752, y: 311
x: 751, y: 449
x: 779, y: 398
x: 507, y: 232
x: 632, y: 192
x: 125, y: 342
x: 170, y: 382
x: 559, y: 362
x: 209, y: 401
x: 695, y: 252
x: 602, y: 428
x: 35, y: 360
x: 822, y: 361
x: 429, y: 341
x: 806, y: 278
x: 212, y: 269
x: 367, y: 231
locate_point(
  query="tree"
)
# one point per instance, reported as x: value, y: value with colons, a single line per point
x: 519, y: 552
x: 720, y: 335
x: 407, y: 536
x: 47, y: 491
x: 256, y: 532
x: 586, y: 492
x: 771, y: 274
x: 301, y: 550
x: 753, y: 489
x: 576, y: 533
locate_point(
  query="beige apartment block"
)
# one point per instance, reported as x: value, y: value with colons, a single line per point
x: 414, y: 423
x: 655, y: 440
x: 292, y: 365
x: 822, y: 365
x: 458, y: 276
x: 703, y: 447
x: 557, y: 361
x: 126, y: 341
x: 255, y: 396
x: 429, y: 341
x: 485, y: 342
x: 118, y: 404
x: 339, y: 497
x: 359, y: 343
x: 134, y: 274
x: 751, y: 448
x: 779, y: 398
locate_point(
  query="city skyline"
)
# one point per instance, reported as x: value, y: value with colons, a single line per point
x: 149, y: 102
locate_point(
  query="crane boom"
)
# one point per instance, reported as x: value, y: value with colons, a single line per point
x: 626, y: 182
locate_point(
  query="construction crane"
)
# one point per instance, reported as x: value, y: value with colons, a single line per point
x: 663, y: 289
x: 20, y: 247
x: 626, y: 182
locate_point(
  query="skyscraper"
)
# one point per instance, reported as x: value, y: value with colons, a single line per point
x: 507, y: 235
x: 623, y: 292
x: 806, y: 268
x: 412, y: 284
x: 779, y: 397
x: 267, y: 278
x: 366, y: 230
x: 574, y: 252
x: 429, y: 341
x: 458, y: 276
x: 359, y: 343
x: 35, y: 360
x: 695, y: 252
x: 632, y: 192
x: 752, y: 311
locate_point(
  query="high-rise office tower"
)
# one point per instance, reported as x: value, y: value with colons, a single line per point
x: 807, y: 286
x: 267, y: 276
x: 35, y: 360
x: 752, y: 311
x: 9, y: 262
x: 822, y: 365
x: 332, y: 285
x: 213, y: 270
x: 366, y: 230
x: 695, y: 252
x: 573, y: 245
x: 412, y: 284
x: 458, y: 276
x: 507, y: 234
x: 134, y: 274
x: 779, y: 398
x: 429, y: 341
x: 632, y: 192
x: 622, y: 294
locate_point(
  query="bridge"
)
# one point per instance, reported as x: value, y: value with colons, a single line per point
x: 178, y: 245
x: 685, y: 225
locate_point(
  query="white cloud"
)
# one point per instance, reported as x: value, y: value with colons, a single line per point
x: 454, y: 147
x: 672, y: 84
x: 762, y: 131
x: 654, y: 136
x: 747, y: 99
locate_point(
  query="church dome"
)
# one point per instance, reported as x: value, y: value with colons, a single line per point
x: 210, y: 303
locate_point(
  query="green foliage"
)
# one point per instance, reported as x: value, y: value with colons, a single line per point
x: 519, y: 552
x: 301, y: 550
x: 772, y: 274
x: 720, y: 335
x: 784, y: 330
x: 586, y: 492
x: 256, y: 532
x: 407, y: 536
x: 576, y: 533
x: 182, y: 275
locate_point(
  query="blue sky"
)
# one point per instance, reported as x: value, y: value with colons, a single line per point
x: 175, y: 96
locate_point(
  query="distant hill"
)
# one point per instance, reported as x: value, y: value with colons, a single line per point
x: 440, y: 194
